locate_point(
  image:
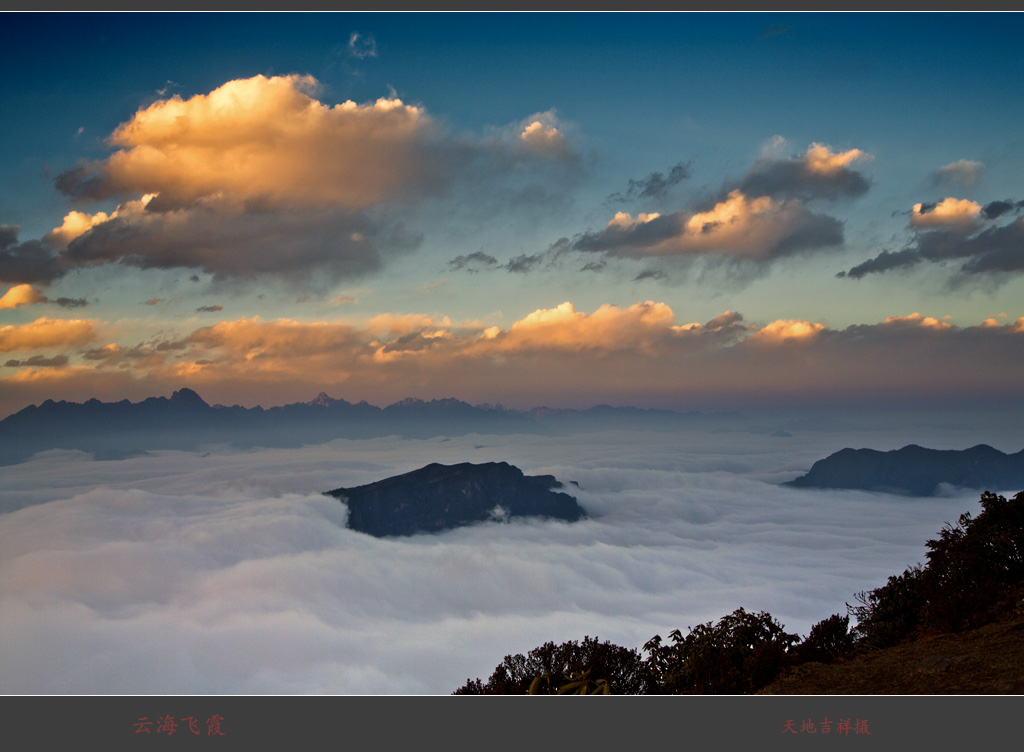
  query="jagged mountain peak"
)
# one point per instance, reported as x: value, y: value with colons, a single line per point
x: 186, y: 396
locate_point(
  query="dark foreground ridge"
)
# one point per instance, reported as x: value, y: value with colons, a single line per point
x: 916, y: 471
x: 441, y: 497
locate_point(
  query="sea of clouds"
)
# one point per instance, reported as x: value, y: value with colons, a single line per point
x: 228, y: 572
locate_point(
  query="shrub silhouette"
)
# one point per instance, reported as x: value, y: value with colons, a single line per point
x: 976, y: 568
x: 586, y: 665
x: 828, y: 639
x: 890, y: 613
x: 740, y: 654
x: 974, y: 572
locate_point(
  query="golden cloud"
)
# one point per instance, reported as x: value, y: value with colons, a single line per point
x: 46, y: 333
x: 821, y: 159
x: 78, y: 223
x: 950, y: 212
x: 916, y: 319
x: 784, y: 330
x: 268, y: 139
x: 559, y: 354
x: 607, y: 328
x: 21, y: 295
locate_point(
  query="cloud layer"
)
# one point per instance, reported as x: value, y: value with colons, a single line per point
x: 559, y: 354
x: 231, y: 574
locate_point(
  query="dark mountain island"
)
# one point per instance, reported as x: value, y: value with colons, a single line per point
x: 441, y: 497
x: 184, y: 421
x: 916, y: 471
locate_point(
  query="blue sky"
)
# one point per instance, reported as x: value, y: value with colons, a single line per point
x: 562, y: 208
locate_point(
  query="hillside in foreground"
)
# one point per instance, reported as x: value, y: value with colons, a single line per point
x: 954, y: 625
x: 981, y: 661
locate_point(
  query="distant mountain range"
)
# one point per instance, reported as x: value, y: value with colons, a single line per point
x: 441, y: 497
x: 916, y: 471
x: 113, y: 430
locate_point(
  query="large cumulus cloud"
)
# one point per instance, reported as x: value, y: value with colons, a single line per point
x: 752, y: 222
x: 260, y: 176
x: 266, y: 139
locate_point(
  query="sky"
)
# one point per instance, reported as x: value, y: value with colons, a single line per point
x: 680, y: 210
x: 229, y: 572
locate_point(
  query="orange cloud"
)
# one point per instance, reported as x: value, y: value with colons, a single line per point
x: 267, y: 138
x: 784, y: 330
x: 916, y: 319
x: 45, y: 333
x: 625, y: 220
x: 77, y: 223
x: 397, y: 325
x: 756, y: 228
x: 559, y: 356
x: 21, y: 295
x: 607, y: 328
x: 950, y: 212
x: 820, y: 158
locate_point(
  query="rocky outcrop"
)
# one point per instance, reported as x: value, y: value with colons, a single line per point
x: 916, y: 471
x: 441, y: 497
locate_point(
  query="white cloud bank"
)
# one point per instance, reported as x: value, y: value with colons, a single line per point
x: 230, y: 573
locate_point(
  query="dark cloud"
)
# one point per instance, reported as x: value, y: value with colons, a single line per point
x: 87, y: 182
x: 523, y: 263
x: 746, y: 226
x: 31, y: 262
x: 884, y: 261
x: 289, y: 244
x: 209, y: 309
x: 990, y: 251
x: 797, y: 178
x: 593, y: 266
x: 996, y: 209
x: 144, y: 350
x: 997, y: 249
x: 617, y: 238
x: 650, y: 274
x: 71, y: 302
x: 473, y: 262
x: 759, y: 238
x: 654, y: 186
x: 39, y: 361
x: 480, y: 261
